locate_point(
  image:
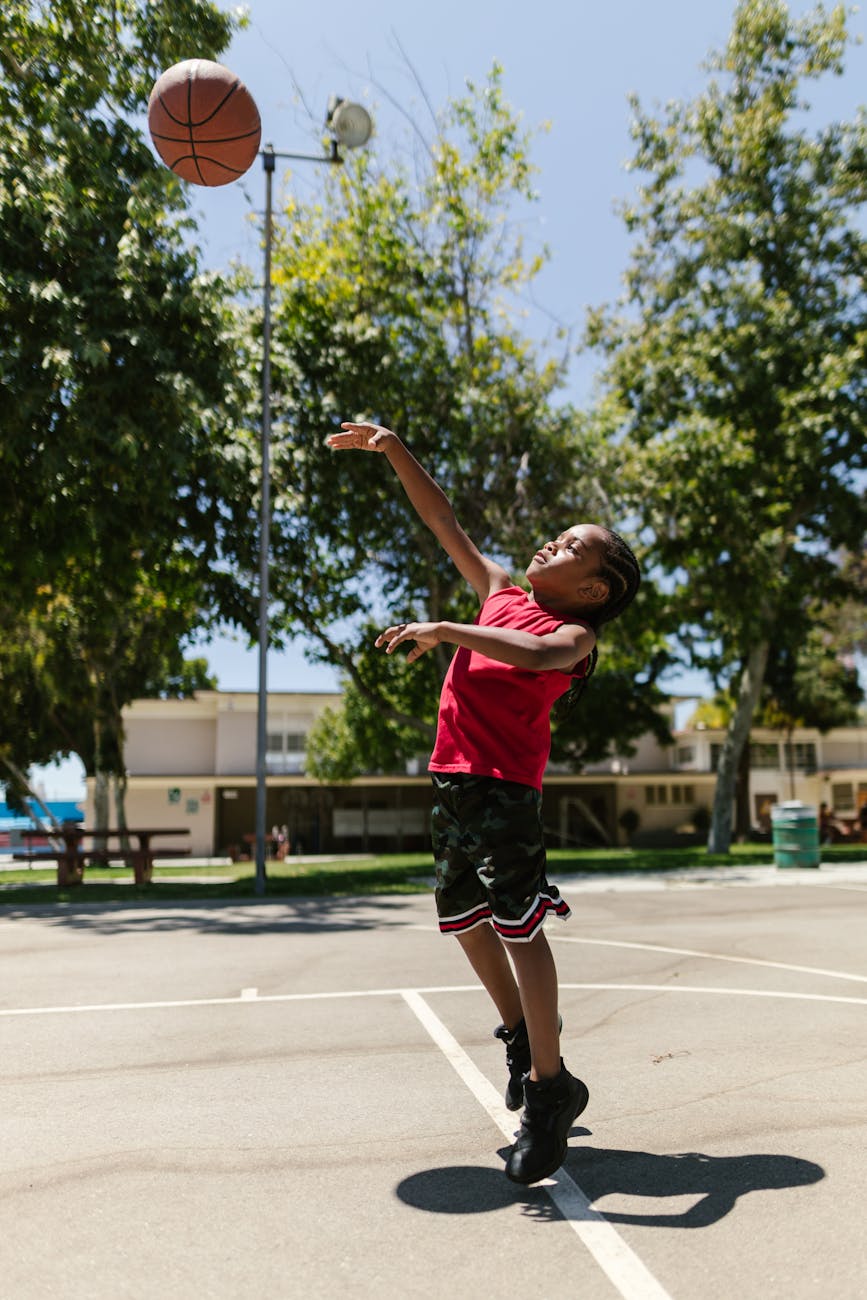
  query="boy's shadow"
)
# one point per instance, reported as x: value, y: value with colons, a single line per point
x: 718, y: 1181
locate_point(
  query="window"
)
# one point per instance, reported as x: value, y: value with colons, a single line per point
x: 803, y: 756
x: 677, y: 794
x: 285, y: 751
x: 843, y: 797
x: 686, y: 754
x: 656, y: 794
x: 764, y: 755
x: 689, y: 794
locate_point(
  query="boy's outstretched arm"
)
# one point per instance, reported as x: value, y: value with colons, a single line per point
x: 430, y: 503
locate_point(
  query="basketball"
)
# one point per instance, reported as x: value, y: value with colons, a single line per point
x: 204, y: 122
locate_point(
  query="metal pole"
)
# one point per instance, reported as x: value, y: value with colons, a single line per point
x: 264, y: 539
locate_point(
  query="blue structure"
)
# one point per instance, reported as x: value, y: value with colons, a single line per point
x: 12, y: 823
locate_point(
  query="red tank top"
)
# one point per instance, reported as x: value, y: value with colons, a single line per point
x: 494, y: 719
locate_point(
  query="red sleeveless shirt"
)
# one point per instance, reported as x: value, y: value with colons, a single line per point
x: 494, y: 718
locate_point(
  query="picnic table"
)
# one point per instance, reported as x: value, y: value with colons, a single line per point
x: 74, y: 854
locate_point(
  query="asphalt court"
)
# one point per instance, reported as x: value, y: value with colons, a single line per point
x: 304, y: 1098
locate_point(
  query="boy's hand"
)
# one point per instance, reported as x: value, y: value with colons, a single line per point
x: 360, y: 437
x: 425, y: 636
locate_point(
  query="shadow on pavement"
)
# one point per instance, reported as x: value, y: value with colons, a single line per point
x: 719, y: 1182
x: 242, y: 916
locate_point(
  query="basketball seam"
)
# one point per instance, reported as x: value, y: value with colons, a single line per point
x: 168, y: 112
x: 214, y: 162
x: 228, y: 95
x: 190, y: 122
x: 217, y: 139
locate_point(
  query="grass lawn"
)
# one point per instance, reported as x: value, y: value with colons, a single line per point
x: 395, y: 873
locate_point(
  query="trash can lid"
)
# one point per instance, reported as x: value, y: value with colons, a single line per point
x: 793, y: 808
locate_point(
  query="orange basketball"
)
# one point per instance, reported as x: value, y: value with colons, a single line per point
x: 204, y: 122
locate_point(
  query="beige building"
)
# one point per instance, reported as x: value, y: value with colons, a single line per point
x: 192, y: 763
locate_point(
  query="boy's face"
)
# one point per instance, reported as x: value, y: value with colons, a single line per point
x: 565, y: 573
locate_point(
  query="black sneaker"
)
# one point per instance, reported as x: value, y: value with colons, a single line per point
x: 551, y: 1107
x: 517, y: 1061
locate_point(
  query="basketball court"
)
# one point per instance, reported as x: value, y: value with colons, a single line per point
x: 304, y: 1099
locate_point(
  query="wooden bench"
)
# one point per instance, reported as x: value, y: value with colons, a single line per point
x: 70, y: 864
x: 74, y: 856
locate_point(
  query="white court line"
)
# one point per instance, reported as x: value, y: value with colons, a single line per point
x: 617, y: 1260
x: 702, y: 989
x: 712, y: 956
x: 686, y: 952
x: 246, y: 1000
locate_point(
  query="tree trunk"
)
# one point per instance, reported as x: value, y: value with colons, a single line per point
x: 120, y: 784
x: 100, y: 804
x: 789, y: 759
x: 101, y: 788
x: 743, y: 811
x: 720, y: 838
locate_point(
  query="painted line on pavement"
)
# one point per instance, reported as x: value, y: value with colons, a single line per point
x: 702, y: 989
x: 618, y: 1261
x: 682, y: 952
x: 260, y: 1000
x: 711, y: 956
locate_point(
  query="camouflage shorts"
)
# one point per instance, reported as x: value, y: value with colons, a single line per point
x: 490, y: 857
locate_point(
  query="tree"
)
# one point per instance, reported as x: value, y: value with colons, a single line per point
x: 736, y: 363
x: 813, y: 685
x: 394, y: 300
x: 117, y: 359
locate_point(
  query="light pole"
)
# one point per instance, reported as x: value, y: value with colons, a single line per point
x: 349, y: 126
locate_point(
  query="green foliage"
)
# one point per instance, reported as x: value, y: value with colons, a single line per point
x: 116, y: 356
x: 181, y: 682
x: 811, y: 686
x: 715, y: 714
x: 363, y: 736
x: 395, y: 300
x: 735, y: 366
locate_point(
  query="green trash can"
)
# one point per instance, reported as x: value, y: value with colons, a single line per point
x: 795, y: 834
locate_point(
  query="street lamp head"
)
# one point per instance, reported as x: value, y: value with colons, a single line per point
x: 349, y: 123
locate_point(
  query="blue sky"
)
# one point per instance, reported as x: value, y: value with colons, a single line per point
x: 569, y: 63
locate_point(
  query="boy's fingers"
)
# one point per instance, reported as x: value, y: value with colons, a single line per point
x: 356, y: 437
x: 392, y: 636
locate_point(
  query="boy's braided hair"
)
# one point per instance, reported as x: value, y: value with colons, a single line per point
x: 619, y: 568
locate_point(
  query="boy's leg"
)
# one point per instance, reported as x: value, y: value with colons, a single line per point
x: 487, y: 956
x: 537, y: 983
